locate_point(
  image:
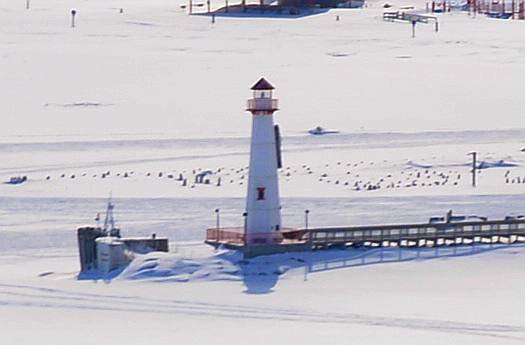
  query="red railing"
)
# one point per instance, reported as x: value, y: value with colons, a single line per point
x: 229, y: 235
x: 237, y: 236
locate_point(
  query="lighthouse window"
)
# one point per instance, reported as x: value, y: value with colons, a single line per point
x: 262, y: 94
x: 260, y: 193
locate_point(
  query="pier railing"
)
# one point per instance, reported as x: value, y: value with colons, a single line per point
x: 236, y: 236
x: 414, y: 232
x: 379, y: 235
x: 230, y: 235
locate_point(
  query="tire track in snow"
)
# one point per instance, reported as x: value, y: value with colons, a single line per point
x: 38, y: 297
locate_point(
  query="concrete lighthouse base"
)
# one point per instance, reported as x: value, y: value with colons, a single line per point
x: 264, y: 238
x: 251, y: 251
x: 287, y: 240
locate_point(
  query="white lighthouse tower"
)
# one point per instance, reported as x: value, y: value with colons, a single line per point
x: 263, y: 208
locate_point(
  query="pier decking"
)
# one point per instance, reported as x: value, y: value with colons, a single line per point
x: 508, y: 231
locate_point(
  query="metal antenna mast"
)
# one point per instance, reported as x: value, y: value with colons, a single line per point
x: 109, y: 221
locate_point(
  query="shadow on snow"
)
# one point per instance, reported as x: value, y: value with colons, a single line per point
x: 260, y: 275
x: 255, y: 11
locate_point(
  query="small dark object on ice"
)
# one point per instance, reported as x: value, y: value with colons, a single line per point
x: 17, y: 180
x: 321, y: 131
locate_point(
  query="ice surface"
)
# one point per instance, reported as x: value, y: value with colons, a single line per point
x: 153, y: 90
x: 168, y: 77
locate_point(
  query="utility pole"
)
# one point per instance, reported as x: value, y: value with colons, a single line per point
x: 73, y: 14
x: 474, y: 163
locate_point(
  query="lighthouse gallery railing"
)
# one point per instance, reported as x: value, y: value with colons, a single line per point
x: 262, y: 104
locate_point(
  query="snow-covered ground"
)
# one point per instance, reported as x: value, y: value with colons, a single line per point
x: 154, y: 71
x: 152, y: 91
x: 467, y: 300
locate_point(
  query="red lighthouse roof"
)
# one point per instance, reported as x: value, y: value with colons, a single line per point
x: 262, y: 84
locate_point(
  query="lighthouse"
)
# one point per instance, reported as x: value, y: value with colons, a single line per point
x: 263, y: 208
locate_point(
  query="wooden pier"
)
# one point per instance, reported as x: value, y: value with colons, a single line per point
x: 433, y: 234
x: 392, y: 16
x: 419, y: 235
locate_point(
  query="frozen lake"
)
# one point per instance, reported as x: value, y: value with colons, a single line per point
x: 50, y: 223
x: 127, y: 102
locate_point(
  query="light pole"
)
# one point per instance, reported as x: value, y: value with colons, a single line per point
x: 218, y: 224
x: 474, y: 158
x: 245, y: 215
x: 306, y: 212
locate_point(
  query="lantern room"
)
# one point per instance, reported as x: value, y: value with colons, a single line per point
x: 262, y: 89
x: 262, y: 101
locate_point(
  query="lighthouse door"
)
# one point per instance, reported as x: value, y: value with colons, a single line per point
x: 260, y: 193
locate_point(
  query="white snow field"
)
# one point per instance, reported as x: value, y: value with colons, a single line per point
x: 124, y: 103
